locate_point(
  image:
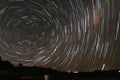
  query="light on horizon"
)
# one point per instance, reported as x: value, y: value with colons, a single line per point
x: 69, y: 71
x: 119, y: 71
x: 103, y: 67
x: 75, y: 72
x: 46, y: 77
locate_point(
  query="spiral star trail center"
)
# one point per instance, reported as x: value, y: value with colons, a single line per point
x: 71, y: 35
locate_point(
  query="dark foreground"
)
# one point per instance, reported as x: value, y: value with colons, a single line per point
x: 9, y: 72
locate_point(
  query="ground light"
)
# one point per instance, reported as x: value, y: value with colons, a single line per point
x: 119, y: 71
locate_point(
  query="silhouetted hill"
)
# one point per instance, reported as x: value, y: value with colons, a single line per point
x: 35, y: 73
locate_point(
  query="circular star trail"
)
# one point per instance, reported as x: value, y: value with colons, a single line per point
x: 67, y: 35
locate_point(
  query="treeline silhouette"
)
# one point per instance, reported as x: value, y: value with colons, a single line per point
x: 20, y: 72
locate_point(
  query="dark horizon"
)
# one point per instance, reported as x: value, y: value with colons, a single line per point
x: 8, y: 71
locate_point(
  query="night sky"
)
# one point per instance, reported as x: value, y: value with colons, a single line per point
x: 66, y: 35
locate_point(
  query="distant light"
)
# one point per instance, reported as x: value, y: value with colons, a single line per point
x: 46, y: 77
x: 103, y: 67
x: 75, y: 72
x: 119, y: 71
x: 69, y: 71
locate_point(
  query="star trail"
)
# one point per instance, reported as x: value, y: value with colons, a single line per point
x: 66, y: 35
